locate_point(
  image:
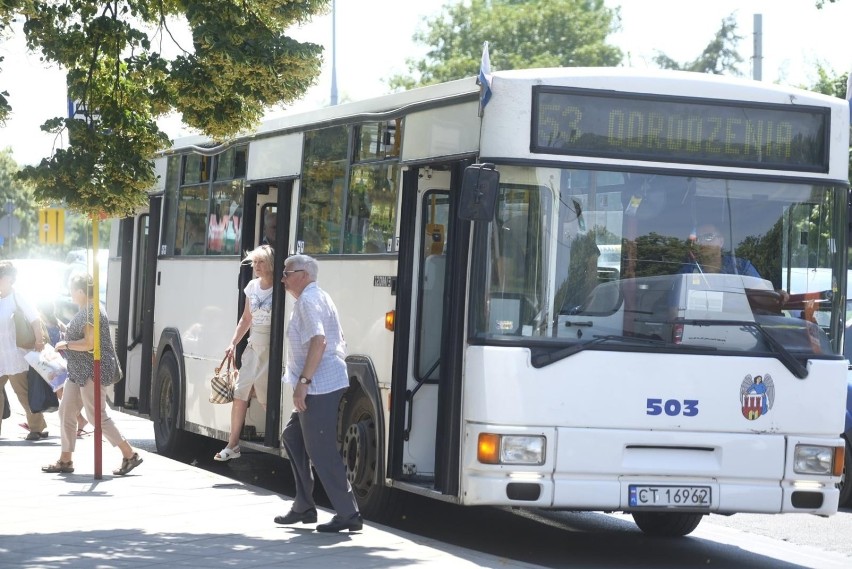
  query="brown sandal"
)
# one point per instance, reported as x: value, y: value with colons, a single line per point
x: 128, y: 464
x: 59, y: 466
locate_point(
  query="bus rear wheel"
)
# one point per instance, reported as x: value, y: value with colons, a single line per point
x: 165, y: 408
x: 667, y: 524
x: 360, y: 451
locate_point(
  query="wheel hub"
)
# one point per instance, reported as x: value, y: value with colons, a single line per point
x: 354, y: 447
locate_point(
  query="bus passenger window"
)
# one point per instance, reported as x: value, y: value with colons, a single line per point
x: 371, y: 216
x: 190, y: 238
x: 225, y: 224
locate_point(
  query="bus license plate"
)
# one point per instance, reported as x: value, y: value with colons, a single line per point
x: 669, y: 496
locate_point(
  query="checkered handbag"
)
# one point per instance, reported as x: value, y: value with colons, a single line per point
x: 222, y: 383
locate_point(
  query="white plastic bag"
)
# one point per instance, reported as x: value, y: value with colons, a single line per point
x: 50, y: 365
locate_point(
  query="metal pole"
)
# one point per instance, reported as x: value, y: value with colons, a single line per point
x: 757, y: 62
x: 333, y: 53
x: 97, y: 351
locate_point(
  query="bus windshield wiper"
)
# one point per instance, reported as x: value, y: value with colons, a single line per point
x: 783, y: 354
x: 542, y: 360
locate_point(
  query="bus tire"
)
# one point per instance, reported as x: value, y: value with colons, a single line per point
x: 667, y: 524
x: 360, y: 451
x: 165, y: 407
x: 845, y: 485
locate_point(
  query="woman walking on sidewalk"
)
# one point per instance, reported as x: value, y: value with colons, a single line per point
x: 79, y: 388
x: 13, y: 366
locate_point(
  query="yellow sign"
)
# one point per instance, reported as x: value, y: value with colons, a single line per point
x: 51, y: 226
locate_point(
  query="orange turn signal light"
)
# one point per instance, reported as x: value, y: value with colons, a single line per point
x: 839, y: 457
x: 488, y: 449
x: 390, y: 318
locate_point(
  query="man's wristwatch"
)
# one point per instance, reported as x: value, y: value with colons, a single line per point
x: 305, y: 380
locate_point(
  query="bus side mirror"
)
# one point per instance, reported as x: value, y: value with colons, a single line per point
x: 479, y: 192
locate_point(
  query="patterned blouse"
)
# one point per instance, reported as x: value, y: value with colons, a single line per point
x: 81, y: 365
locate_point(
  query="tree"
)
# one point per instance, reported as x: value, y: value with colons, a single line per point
x: 521, y: 34
x: 115, y: 53
x: 19, y: 196
x: 719, y: 57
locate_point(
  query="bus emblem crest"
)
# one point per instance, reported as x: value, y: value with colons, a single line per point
x: 757, y: 396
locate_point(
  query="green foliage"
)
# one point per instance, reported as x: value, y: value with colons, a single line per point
x: 827, y: 84
x: 658, y: 254
x: 21, y: 196
x: 720, y: 57
x: 240, y: 62
x: 521, y: 34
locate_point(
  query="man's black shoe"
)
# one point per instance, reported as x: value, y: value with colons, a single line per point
x: 352, y: 523
x: 309, y: 516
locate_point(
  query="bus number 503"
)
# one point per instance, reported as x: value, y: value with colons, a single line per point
x: 672, y: 407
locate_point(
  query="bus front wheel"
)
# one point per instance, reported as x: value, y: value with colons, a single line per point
x: 360, y: 450
x: 165, y: 408
x: 667, y: 524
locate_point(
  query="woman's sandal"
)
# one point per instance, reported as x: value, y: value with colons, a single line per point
x: 128, y: 464
x: 227, y: 454
x: 59, y: 466
x: 81, y: 429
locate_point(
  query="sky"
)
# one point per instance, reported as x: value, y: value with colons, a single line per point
x: 374, y: 39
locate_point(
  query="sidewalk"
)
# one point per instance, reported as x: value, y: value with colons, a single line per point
x: 169, y: 514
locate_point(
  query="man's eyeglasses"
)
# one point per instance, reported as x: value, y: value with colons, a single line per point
x: 288, y: 273
x: 708, y: 237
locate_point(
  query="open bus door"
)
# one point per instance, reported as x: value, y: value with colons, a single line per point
x: 266, y: 209
x: 134, y: 258
x: 428, y: 349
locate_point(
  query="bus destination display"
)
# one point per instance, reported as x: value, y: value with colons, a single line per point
x: 670, y: 129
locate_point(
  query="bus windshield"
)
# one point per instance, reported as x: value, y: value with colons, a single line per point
x: 604, y: 257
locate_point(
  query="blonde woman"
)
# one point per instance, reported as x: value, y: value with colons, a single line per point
x: 254, y: 372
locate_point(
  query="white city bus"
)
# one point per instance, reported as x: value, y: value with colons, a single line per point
x: 494, y: 358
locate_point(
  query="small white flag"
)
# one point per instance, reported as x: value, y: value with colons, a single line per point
x: 484, y: 79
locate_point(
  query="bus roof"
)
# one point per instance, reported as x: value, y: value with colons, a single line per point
x: 394, y: 102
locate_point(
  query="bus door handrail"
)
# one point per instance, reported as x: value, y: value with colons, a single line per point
x: 409, y: 397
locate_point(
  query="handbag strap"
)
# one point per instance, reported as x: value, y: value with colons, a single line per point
x: 222, y: 364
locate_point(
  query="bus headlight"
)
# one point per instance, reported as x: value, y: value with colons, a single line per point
x: 510, y: 449
x: 812, y: 459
